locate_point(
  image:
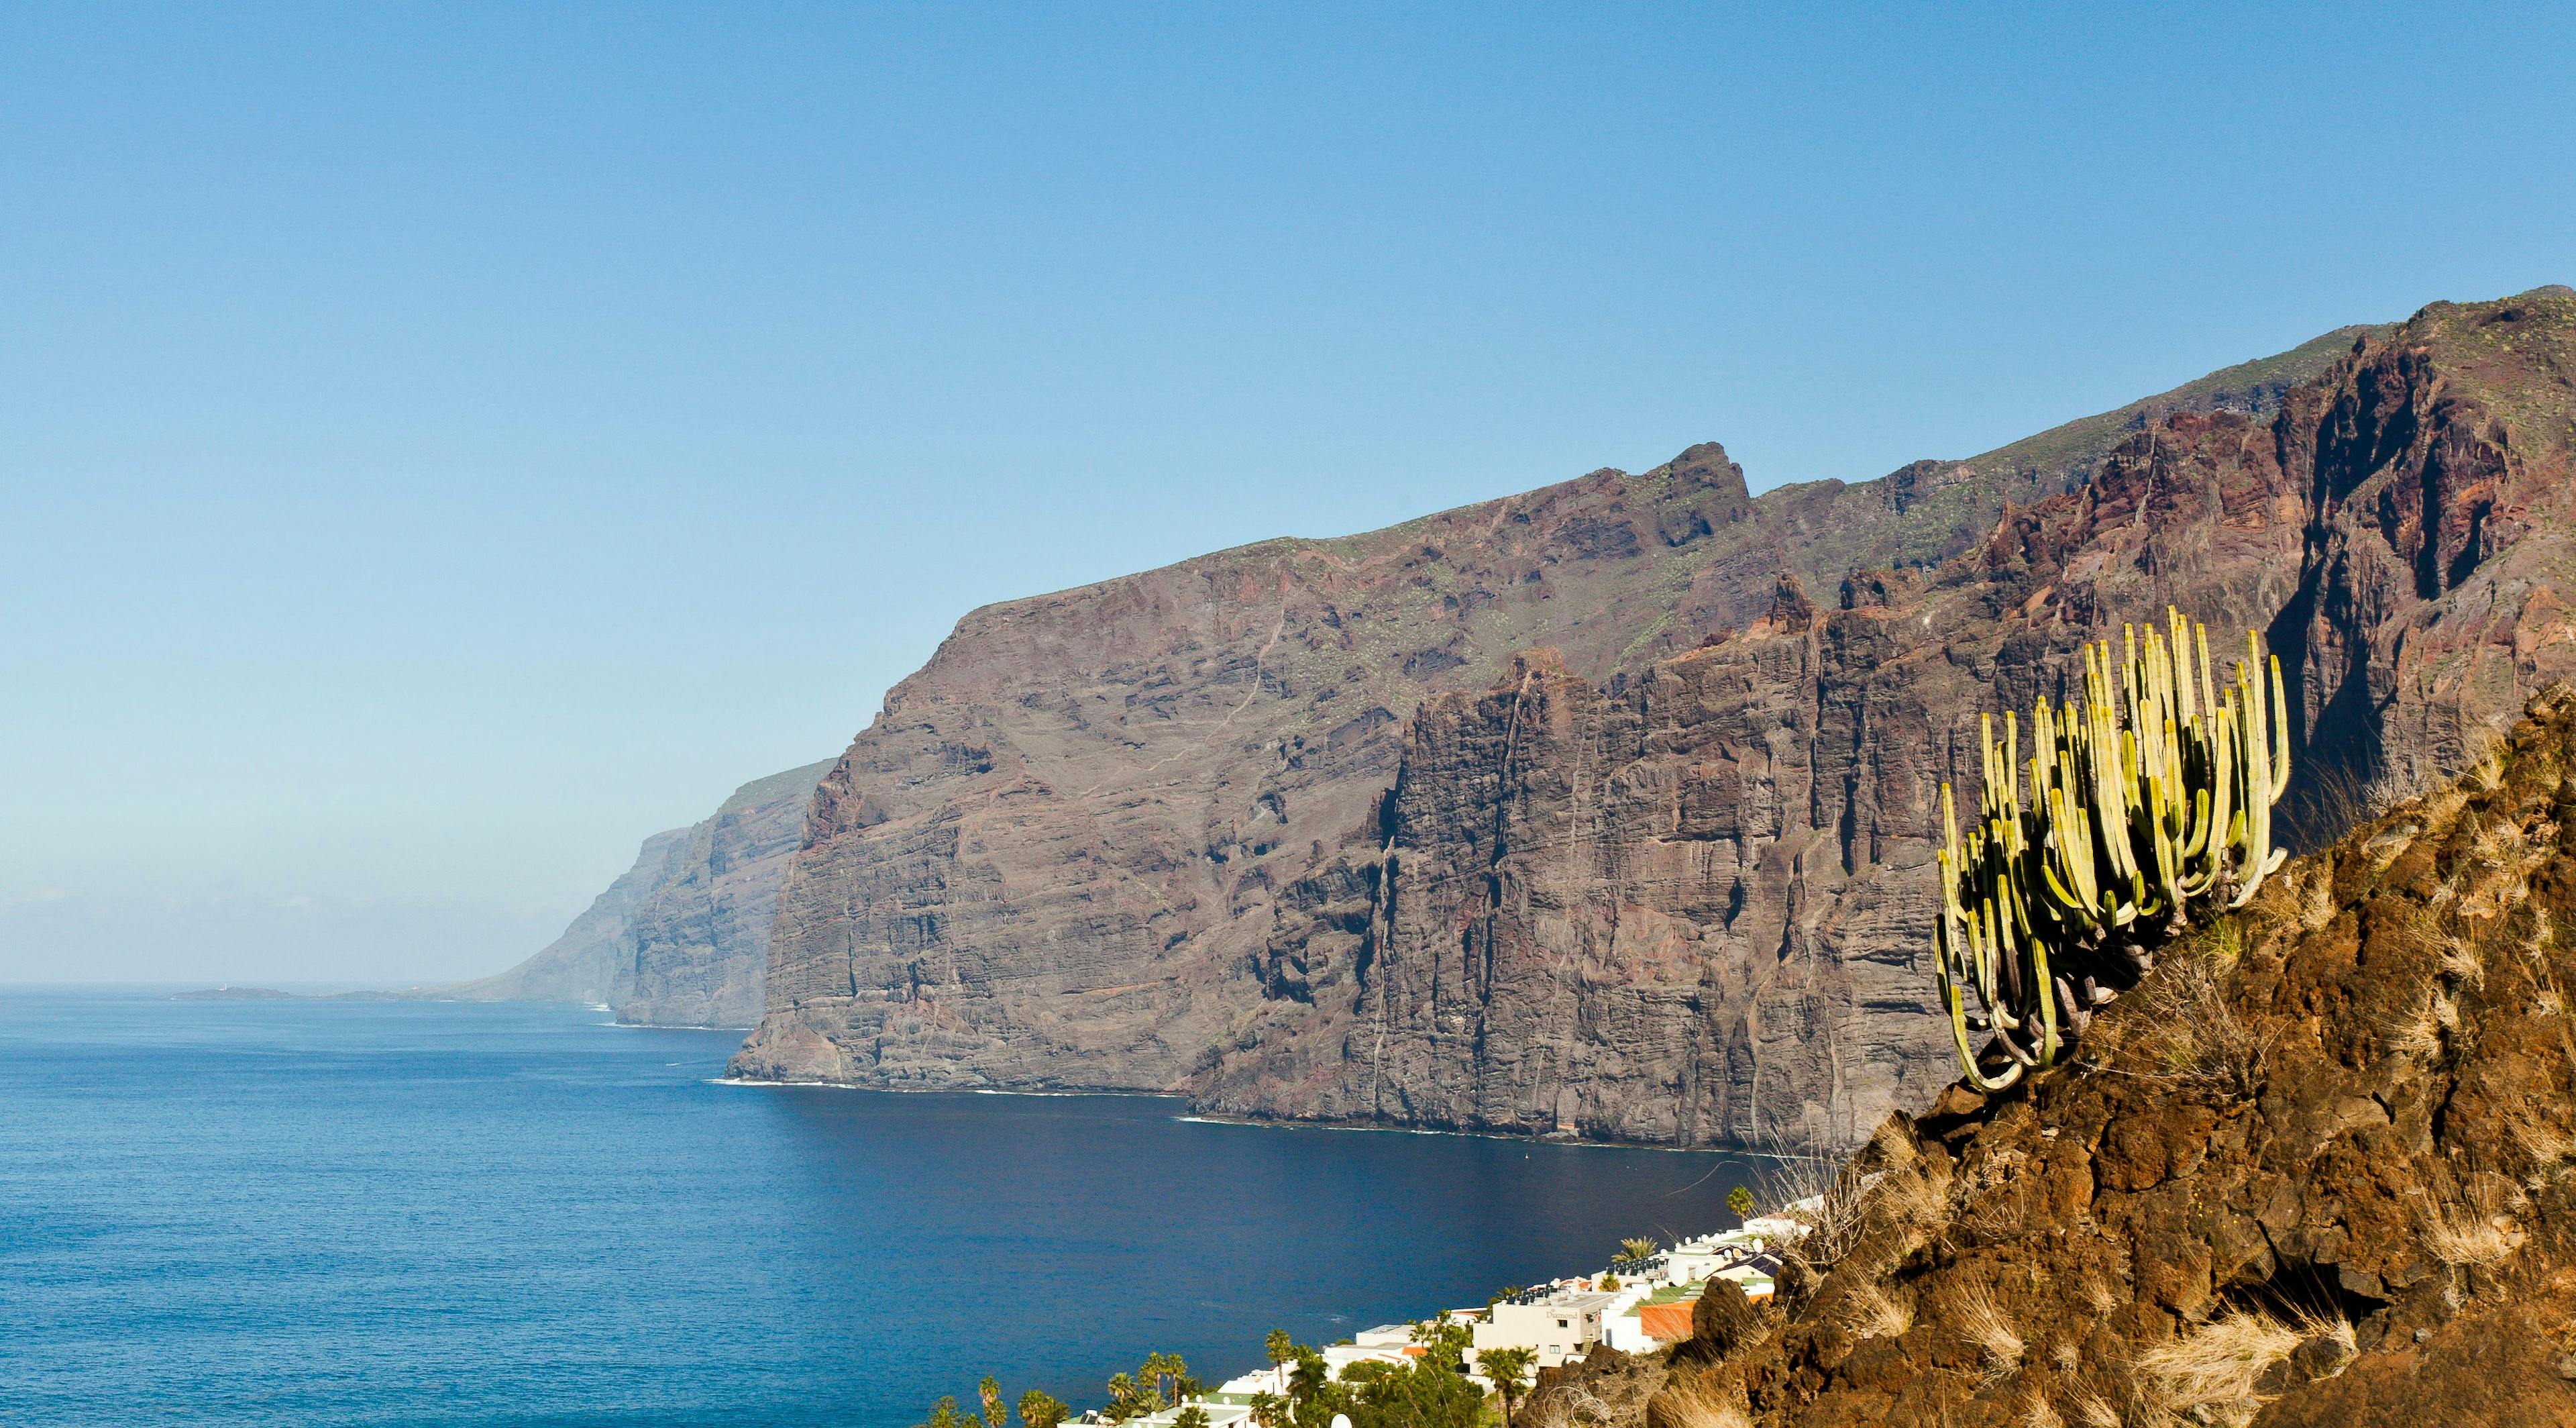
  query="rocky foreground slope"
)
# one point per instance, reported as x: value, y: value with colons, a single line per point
x: 2319, y: 1169
x: 1692, y: 905
x: 682, y: 937
x: 1125, y: 835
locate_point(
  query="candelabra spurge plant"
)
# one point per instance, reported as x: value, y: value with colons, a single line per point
x: 2150, y: 808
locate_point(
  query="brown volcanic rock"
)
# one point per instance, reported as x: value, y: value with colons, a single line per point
x: 2432, y: 459
x: 1046, y: 862
x: 1131, y: 836
x: 2394, y: 1187
x: 1693, y: 910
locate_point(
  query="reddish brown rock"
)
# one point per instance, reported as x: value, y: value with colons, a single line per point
x: 1692, y: 907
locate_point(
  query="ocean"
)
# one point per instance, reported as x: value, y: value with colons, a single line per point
x: 448, y: 1214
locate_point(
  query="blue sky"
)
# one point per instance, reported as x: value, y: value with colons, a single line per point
x: 443, y: 444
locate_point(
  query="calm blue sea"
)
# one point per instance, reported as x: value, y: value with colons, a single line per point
x: 355, y: 1213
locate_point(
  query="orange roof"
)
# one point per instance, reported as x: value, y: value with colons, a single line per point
x: 1667, y: 1322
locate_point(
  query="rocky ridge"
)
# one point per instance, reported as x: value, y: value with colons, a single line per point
x: 1073, y: 849
x: 2319, y: 1168
x: 1691, y: 905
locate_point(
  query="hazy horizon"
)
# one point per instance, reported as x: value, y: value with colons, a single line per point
x: 452, y: 445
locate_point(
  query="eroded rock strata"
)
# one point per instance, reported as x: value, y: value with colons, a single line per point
x: 1301, y: 827
x: 1692, y: 908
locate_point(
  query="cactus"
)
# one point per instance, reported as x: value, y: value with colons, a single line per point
x: 2150, y: 808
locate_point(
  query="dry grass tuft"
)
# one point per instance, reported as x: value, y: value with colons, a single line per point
x: 1833, y: 1203
x: 2495, y: 840
x: 2094, y: 1411
x: 1974, y: 1314
x: 1894, y: 1145
x: 2488, y: 772
x: 2548, y: 1148
x: 1912, y: 1199
x: 2421, y: 1032
x: 2040, y: 1415
x: 1876, y: 1315
x: 2460, y: 960
x: 2317, y: 908
x: 2460, y: 1238
x: 2098, y: 1295
x: 2195, y: 1036
x: 1695, y: 1401
x: 2210, y: 1374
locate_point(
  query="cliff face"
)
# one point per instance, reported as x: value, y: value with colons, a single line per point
x: 594, y: 958
x: 1111, y: 837
x: 2319, y: 1169
x: 1691, y: 907
x: 682, y: 938
x: 701, y: 939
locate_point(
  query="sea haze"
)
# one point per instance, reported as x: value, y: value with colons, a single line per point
x: 365, y: 1213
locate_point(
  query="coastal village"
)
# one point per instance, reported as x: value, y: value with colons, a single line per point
x: 1639, y: 1302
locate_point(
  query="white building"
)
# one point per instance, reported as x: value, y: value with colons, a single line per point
x: 1557, y: 1324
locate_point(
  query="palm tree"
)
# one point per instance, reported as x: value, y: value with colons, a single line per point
x: 1740, y: 1200
x: 1280, y: 1347
x: 1505, y: 1368
x: 1166, y: 1377
x: 1308, y: 1378
x: 1638, y: 1247
x: 1041, y: 1409
x: 1444, y: 1342
x: 996, y: 1414
x: 1266, y: 1410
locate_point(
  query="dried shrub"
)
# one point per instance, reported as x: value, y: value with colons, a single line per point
x: 2195, y: 1037
x: 1833, y: 1203
x: 2487, y: 772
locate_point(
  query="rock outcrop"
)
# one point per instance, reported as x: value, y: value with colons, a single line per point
x: 2318, y: 1169
x: 1129, y: 836
x: 682, y: 938
x: 1691, y: 906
